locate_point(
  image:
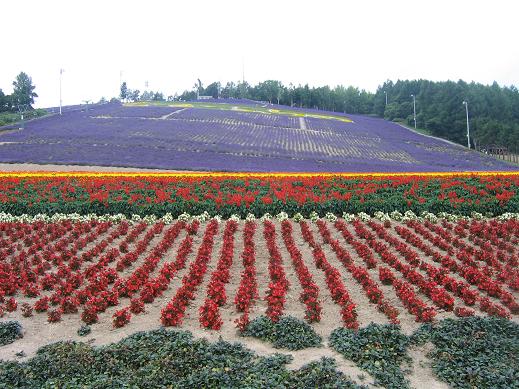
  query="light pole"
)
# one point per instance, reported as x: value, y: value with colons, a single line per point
x: 386, y: 96
x: 414, y: 110
x: 60, y: 74
x: 468, y: 127
x: 21, y: 109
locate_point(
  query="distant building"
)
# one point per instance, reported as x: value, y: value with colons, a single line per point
x: 205, y: 97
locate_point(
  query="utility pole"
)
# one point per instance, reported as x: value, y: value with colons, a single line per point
x: 466, y: 104
x: 386, y: 96
x: 414, y: 110
x: 60, y: 102
x: 21, y: 109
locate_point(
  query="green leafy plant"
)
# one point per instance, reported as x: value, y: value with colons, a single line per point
x: 9, y: 332
x: 289, y: 332
x: 322, y: 374
x: 84, y: 330
x: 476, y: 352
x: 378, y: 349
x: 164, y: 359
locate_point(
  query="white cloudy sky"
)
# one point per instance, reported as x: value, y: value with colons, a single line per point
x: 170, y: 44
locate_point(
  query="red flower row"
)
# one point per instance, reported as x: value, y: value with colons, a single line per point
x: 279, y: 284
x: 403, y: 289
x: 209, y: 311
x: 310, y: 294
x: 174, y: 311
x: 361, y: 275
x: 248, y: 288
x: 470, y: 272
x: 333, y: 280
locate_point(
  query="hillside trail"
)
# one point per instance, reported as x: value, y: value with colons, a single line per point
x: 432, y: 137
x: 302, y: 123
x: 165, y: 117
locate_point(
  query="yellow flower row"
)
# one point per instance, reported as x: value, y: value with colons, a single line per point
x: 250, y: 175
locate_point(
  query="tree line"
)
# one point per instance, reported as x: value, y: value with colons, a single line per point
x: 17, y: 106
x: 127, y: 94
x: 493, y: 110
x: 22, y: 97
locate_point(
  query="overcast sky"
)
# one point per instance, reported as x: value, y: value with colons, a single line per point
x: 170, y: 44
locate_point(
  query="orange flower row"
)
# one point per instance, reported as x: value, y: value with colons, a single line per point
x: 21, y: 174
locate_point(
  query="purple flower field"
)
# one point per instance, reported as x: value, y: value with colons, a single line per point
x: 228, y: 140
x: 236, y: 117
x: 135, y: 112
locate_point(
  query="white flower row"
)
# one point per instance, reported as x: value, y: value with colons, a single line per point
x: 205, y: 216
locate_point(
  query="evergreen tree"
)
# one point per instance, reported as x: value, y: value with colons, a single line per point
x: 124, y: 91
x: 23, y: 93
x: 493, y: 110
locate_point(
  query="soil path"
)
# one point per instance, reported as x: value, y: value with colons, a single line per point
x: 165, y: 117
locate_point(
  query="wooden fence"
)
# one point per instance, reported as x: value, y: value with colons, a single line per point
x: 514, y: 158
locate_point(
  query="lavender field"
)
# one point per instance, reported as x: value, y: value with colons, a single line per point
x: 201, y: 137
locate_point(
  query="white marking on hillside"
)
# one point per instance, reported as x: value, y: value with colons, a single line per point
x: 172, y: 113
x: 432, y: 136
x: 164, y: 117
x: 302, y: 123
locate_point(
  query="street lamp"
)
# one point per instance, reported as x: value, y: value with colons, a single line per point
x: 22, y: 108
x: 386, y: 96
x: 414, y: 110
x: 468, y: 127
x: 60, y: 74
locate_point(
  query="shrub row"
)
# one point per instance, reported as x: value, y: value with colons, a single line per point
x: 473, y: 352
x: 288, y: 332
x: 165, y: 359
x: 257, y: 208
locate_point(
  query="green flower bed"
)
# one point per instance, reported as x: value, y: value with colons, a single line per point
x: 9, y: 332
x: 475, y: 352
x: 84, y: 330
x: 378, y: 349
x: 472, y: 352
x: 164, y: 359
x: 369, y: 205
x: 259, y: 195
x: 289, y: 332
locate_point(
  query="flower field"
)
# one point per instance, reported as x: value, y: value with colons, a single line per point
x: 227, y: 194
x: 208, y: 271
x: 234, y: 136
x: 224, y: 255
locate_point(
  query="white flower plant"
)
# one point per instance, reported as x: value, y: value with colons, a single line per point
x: 168, y: 218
